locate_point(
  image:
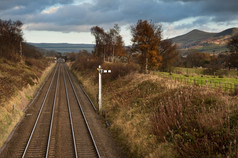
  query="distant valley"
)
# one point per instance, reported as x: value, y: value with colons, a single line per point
x: 64, y: 47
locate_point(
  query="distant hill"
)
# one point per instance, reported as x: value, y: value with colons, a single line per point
x: 205, y: 41
x: 64, y: 47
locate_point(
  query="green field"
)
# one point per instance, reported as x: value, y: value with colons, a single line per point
x: 194, y: 76
x: 199, y: 71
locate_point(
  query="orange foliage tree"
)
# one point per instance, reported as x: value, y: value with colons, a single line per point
x: 146, y: 38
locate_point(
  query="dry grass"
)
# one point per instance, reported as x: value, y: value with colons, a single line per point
x: 9, y: 117
x: 154, y: 117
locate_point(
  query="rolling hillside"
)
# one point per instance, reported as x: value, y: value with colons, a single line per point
x: 205, y: 41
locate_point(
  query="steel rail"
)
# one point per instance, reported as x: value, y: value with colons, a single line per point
x: 70, y: 117
x: 95, y: 109
x: 52, y: 117
x: 84, y: 117
x: 43, y: 103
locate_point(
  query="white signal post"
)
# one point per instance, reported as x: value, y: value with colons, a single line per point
x: 100, y: 72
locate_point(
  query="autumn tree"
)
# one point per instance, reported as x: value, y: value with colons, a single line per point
x: 233, y: 48
x: 99, y: 35
x: 30, y: 51
x: 71, y: 56
x: 117, y: 43
x: 108, y: 44
x: 197, y: 59
x: 10, y: 39
x: 169, y: 53
x: 146, y: 38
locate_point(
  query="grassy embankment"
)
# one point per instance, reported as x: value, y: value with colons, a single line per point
x: 18, y: 82
x: 153, y: 117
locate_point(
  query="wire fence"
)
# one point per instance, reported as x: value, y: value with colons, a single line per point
x: 225, y: 87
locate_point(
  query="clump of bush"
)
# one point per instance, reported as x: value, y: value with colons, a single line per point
x: 90, y: 65
x: 215, y: 72
x: 119, y: 70
x: 198, y: 124
x: 85, y: 64
x: 36, y: 63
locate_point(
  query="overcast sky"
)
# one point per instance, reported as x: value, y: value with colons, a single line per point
x: 69, y: 21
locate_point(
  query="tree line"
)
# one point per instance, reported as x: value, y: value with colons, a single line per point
x: 12, y: 45
x: 10, y: 39
x: 148, y: 48
x: 152, y: 53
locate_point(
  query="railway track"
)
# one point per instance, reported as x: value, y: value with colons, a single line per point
x: 61, y: 128
x: 85, y: 141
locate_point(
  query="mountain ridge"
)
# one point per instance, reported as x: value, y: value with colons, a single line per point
x: 205, y: 41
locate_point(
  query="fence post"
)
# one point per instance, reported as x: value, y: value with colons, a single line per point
x: 206, y: 84
x: 236, y: 88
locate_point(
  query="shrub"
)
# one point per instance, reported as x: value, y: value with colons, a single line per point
x: 220, y: 76
x: 39, y: 64
x: 119, y: 70
x: 84, y: 64
x: 197, y: 123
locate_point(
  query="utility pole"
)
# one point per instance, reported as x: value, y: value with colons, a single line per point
x: 100, y: 72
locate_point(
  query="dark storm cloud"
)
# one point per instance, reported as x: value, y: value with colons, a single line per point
x: 210, y: 7
x: 122, y: 11
x: 32, y: 5
x: 103, y: 12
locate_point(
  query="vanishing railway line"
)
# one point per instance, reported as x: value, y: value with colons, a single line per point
x: 61, y: 128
